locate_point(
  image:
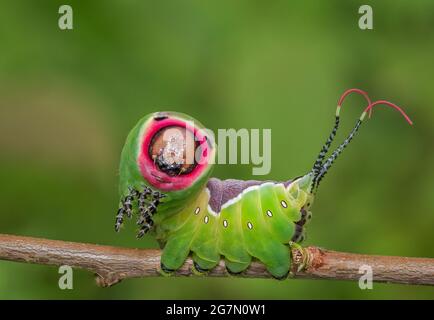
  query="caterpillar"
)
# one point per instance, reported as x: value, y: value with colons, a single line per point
x: 190, y: 213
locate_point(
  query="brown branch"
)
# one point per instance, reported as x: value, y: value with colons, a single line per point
x: 113, y: 264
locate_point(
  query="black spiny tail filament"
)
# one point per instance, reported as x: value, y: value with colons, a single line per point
x: 328, y: 163
x: 318, y: 162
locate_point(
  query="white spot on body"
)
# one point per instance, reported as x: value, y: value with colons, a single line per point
x: 197, y: 211
x: 283, y: 203
x: 225, y: 223
x: 249, y: 225
x: 206, y: 219
x: 269, y: 213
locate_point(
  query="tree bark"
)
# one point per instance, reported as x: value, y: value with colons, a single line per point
x: 113, y: 264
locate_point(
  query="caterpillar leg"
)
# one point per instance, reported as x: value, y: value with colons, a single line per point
x: 276, y: 258
x: 119, y: 219
x: 201, y: 266
x: 175, y: 252
x: 283, y: 277
x: 125, y: 208
x: 165, y: 271
x: 198, y: 270
x: 148, y: 202
x: 235, y: 268
x: 260, y: 241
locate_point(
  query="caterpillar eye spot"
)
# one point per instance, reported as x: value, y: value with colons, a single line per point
x: 284, y: 204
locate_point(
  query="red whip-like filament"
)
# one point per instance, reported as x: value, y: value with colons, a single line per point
x: 361, y: 92
x: 390, y: 104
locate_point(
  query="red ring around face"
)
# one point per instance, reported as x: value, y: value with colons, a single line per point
x: 160, y: 179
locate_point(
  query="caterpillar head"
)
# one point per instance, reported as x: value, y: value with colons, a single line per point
x: 167, y: 152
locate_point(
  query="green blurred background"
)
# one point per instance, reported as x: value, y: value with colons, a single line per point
x: 69, y: 98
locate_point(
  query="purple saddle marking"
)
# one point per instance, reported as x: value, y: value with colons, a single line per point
x: 221, y: 191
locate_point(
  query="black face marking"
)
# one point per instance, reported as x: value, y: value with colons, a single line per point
x: 161, y: 116
x: 172, y: 170
x: 209, y: 142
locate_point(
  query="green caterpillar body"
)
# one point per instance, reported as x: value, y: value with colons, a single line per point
x: 260, y: 222
x: 165, y: 171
